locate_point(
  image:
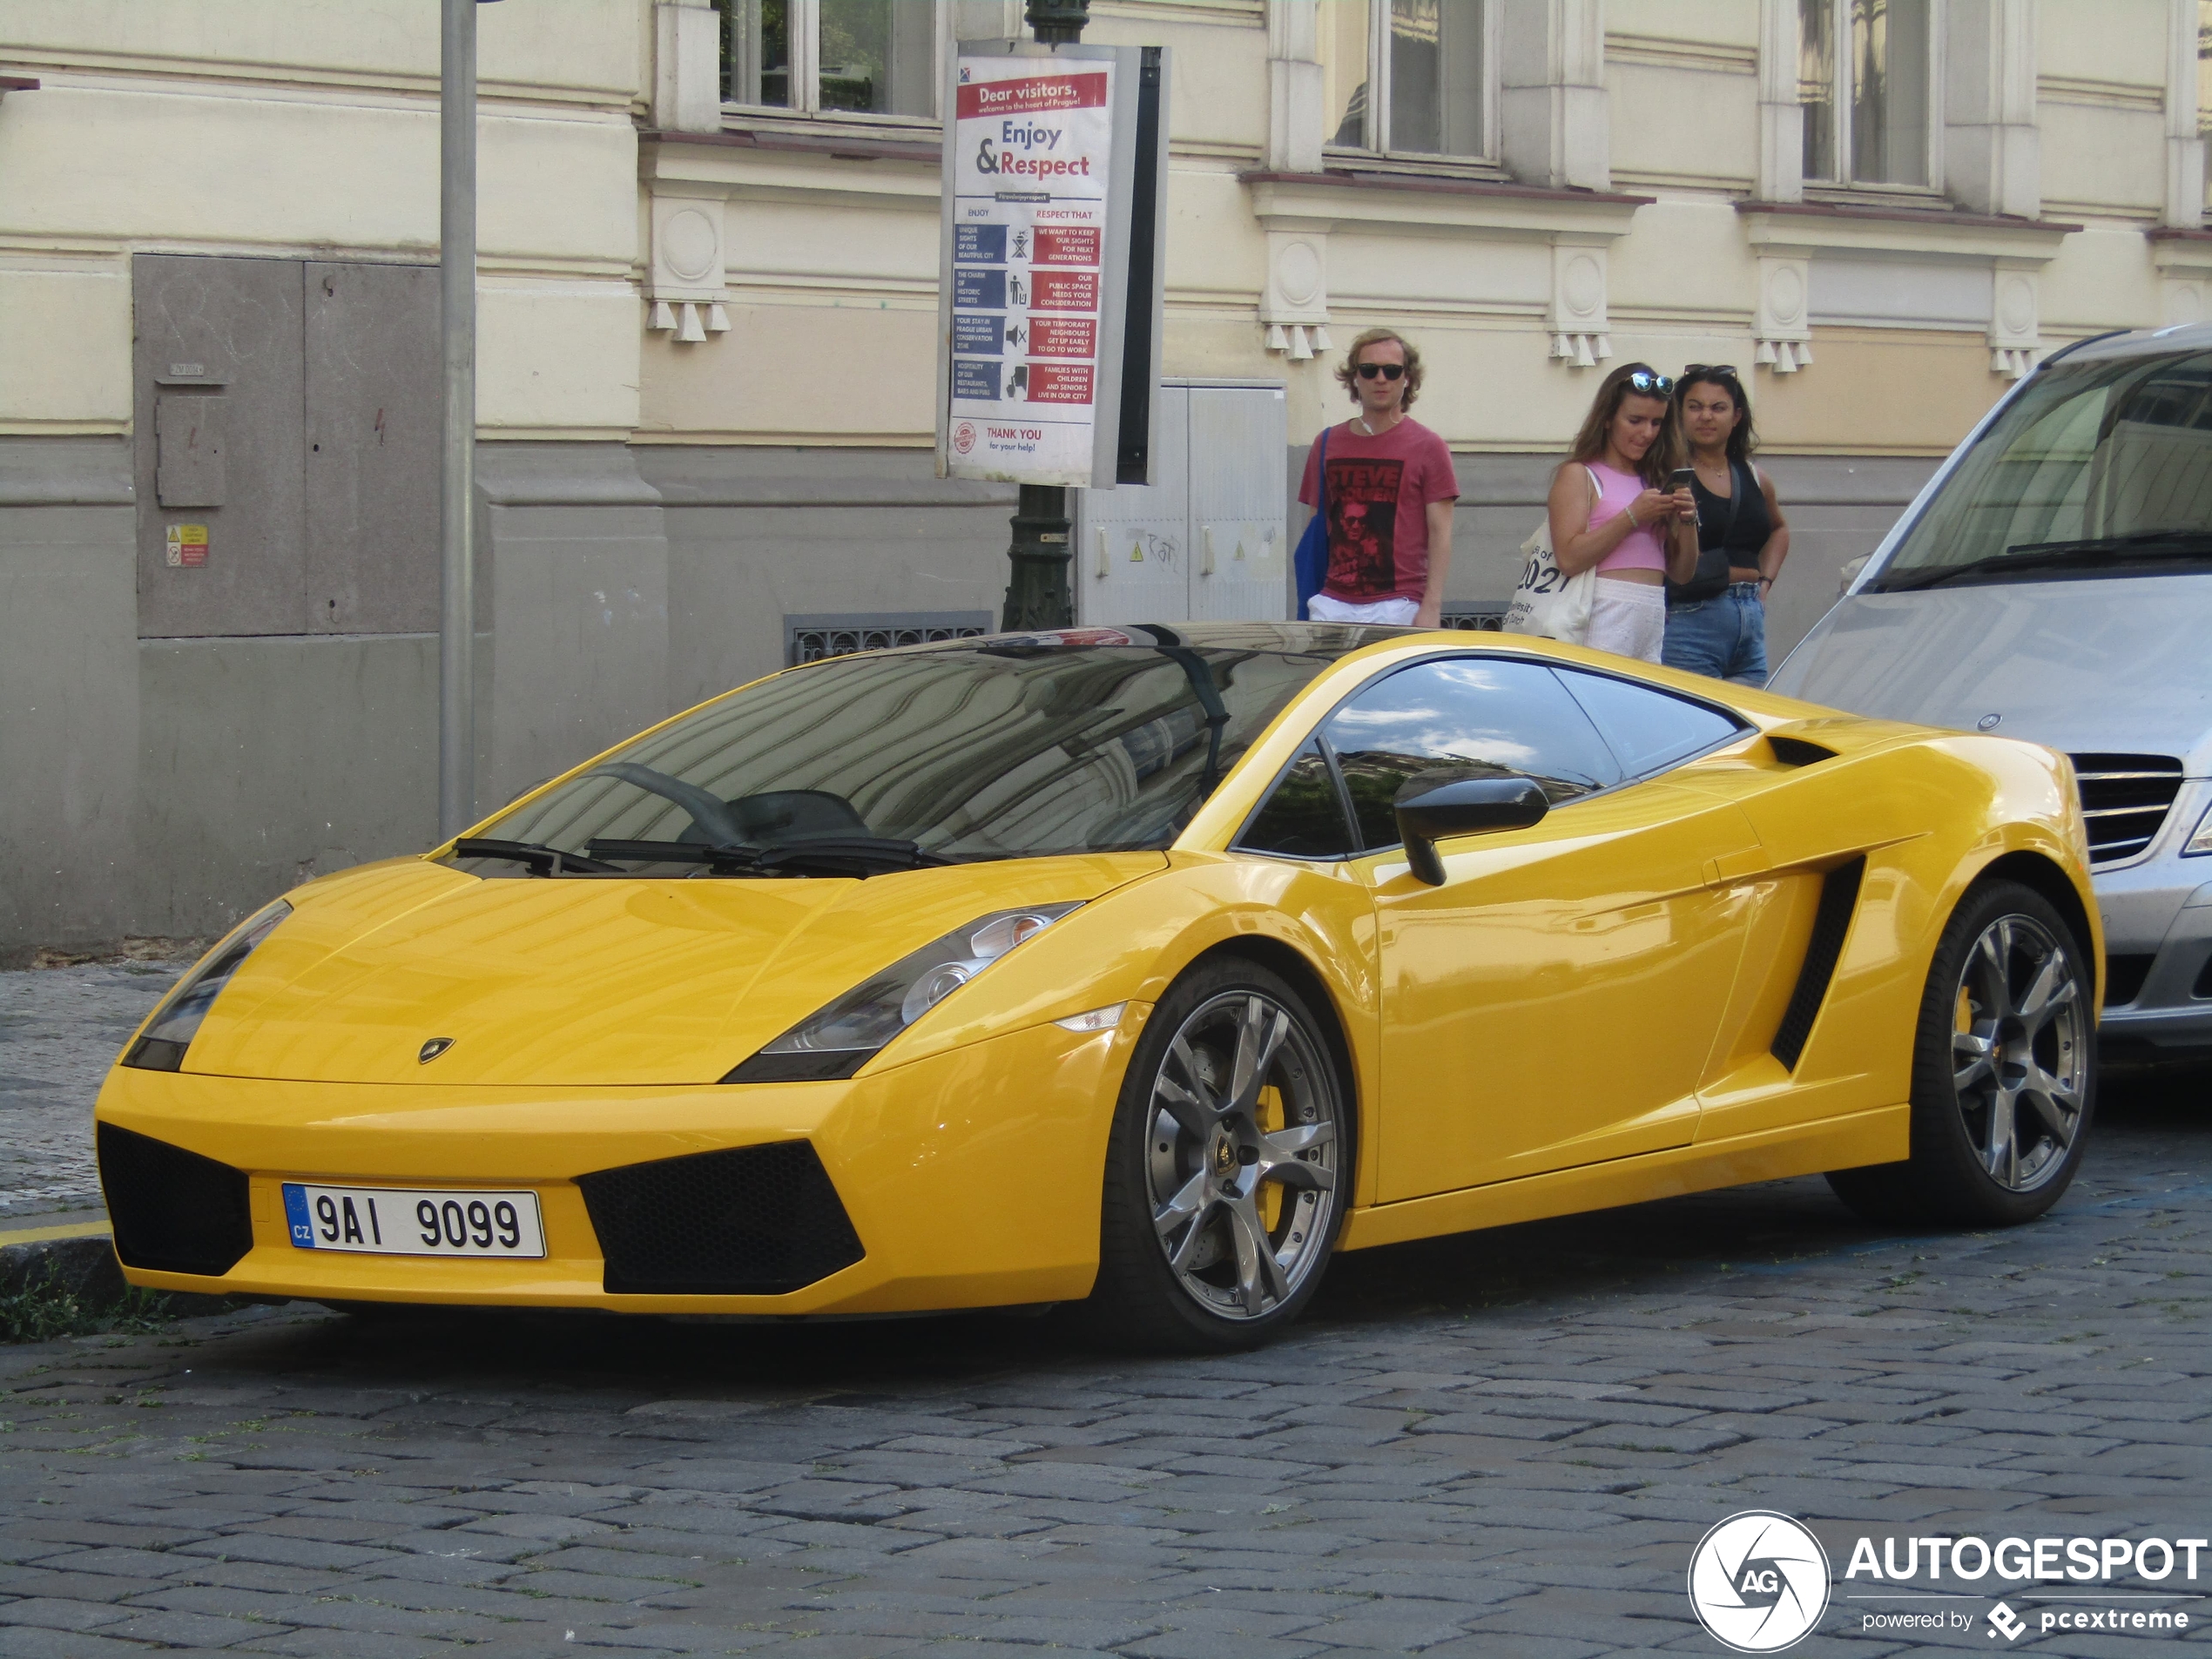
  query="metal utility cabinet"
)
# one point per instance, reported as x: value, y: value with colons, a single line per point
x: 1206, y: 541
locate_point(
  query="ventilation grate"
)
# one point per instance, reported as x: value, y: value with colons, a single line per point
x: 811, y: 640
x: 750, y: 1221
x: 174, y: 1211
x: 1482, y: 617
x: 1831, y: 926
x: 2124, y: 976
x: 2126, y: 799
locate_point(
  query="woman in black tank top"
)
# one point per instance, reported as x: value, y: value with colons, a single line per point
x: 1716, y: 620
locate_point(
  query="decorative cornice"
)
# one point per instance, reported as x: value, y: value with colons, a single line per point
x: 1461, y: 206
x: 839, y: 146
x: 1811, y: 226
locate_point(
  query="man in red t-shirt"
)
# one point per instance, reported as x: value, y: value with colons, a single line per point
x: 1390, y: 489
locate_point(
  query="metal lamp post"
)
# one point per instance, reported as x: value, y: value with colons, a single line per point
x: 1038, y: 595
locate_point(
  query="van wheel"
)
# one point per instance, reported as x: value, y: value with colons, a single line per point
x: 2004, y: 1071
x: 1227, y: 1170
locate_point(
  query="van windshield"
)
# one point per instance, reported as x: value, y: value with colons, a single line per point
x: 2097, y: 468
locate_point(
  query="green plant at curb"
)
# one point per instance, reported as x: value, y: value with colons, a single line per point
x: 44, y: 1309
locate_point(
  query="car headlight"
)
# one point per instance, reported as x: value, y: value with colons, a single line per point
x: 161, y: 1046
x: 838, y: 1039
x: 2201, y: 841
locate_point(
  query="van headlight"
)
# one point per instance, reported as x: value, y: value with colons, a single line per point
x: 2200, y: 842
x: 161, y: 1046
x: 838, y: 1039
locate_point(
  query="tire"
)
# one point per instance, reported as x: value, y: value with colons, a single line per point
x: 2004, y: 1071
x: 1228, y: 1169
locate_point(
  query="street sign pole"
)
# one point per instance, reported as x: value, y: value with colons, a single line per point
x: 457, y: 477
x: 1040, y: 593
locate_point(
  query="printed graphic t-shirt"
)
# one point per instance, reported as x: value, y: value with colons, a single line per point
x: 1379, y: 489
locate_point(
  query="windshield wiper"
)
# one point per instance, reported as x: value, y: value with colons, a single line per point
x: 2036, y: 556
x: 860, y: 856
x: 543, y: 860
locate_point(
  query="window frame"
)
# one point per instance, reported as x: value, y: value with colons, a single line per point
x: 1319, y: 736
x: 1844, y: 185
x: 1375, y: 122
x: 805, y: 24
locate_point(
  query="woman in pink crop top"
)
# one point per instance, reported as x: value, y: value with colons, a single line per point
x: 1610, y: 508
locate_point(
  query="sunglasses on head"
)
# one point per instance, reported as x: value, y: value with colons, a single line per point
x: 1722, y: 374
x: 1388, y: 371
x: 1644, y: 381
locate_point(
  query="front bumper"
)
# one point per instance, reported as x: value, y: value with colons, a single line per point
x: 972, y: 1177
x: 2158, y: 950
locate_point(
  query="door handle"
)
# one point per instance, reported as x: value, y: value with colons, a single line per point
x: 1206, y: 567
x: 1099, y: 533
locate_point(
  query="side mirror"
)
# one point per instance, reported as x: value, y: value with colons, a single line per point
x: 1427, y: 812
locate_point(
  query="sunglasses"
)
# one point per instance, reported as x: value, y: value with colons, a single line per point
x: 1644, y: 381
x: 1388, y: 371
x: 1709, y: 371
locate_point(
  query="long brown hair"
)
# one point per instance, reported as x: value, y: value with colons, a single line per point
x: 1665, y: 453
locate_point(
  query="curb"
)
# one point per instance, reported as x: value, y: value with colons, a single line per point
x: 86, y: 1267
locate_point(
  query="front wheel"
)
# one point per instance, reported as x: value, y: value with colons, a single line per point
x: 2004, y: 1072
x: 1228, y: 1168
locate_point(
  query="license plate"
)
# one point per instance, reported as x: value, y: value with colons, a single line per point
x: 399, y: 1221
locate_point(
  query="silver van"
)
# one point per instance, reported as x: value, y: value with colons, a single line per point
x: 2053, y: 581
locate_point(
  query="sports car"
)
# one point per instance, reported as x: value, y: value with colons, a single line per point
x: 1137, y: 968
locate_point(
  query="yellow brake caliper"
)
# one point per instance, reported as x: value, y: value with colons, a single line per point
x: 1269, y: 1115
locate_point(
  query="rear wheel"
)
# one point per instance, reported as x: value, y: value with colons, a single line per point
x: 1228, y: 1168
x: 2004, y: 1074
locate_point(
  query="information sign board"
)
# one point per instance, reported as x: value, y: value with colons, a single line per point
x: 1040, y: 165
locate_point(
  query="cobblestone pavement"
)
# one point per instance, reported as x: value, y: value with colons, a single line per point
x: 59, y: 1031
x: 1502, y: 1444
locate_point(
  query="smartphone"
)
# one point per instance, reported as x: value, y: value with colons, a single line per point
x: 1681, y: 478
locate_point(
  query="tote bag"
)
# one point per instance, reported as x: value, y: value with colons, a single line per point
x: 1311, y: 561
x: 1548, y: 602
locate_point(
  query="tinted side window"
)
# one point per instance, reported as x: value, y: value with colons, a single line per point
x: 1468, y: 717
x: 1649, y: 730
x: 1303, y: 819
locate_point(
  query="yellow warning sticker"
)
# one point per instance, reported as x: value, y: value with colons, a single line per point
x: 187, y: 544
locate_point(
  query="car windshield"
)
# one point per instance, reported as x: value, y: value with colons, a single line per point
x: 1004, y: 748
x: 2096, y: 469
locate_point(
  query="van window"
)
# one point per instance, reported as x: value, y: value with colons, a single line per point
x: 2095, y: 469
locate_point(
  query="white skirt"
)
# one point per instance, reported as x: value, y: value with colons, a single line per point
x: 1629, y: 618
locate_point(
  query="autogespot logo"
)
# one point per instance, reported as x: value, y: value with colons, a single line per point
x: 1759, y: 1582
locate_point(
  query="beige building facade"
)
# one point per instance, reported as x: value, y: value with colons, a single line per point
x: 708, y: 304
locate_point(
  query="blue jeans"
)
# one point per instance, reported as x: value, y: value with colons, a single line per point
x: 1724, y: 638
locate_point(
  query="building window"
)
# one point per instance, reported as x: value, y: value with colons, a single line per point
x: 831, y: 57
x: 1864, y: 79
x: 1408, y: 76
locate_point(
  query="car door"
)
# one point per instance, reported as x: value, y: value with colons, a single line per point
x: 1551, y: 1003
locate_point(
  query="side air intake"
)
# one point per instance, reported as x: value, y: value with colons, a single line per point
x: 174, y: 1211
x: 1831, y: 926
x: 747, y: 1221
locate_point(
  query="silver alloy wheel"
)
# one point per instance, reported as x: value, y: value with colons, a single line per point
x: 1241, y: 1154
x: 2020, y: 1051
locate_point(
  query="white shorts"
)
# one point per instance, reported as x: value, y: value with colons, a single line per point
x: 1396, y: 612
x: 1628, y: 619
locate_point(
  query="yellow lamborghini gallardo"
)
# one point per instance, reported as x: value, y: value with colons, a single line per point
x: 1140, y: 969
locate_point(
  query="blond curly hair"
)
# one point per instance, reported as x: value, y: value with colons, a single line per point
x: 1348, y: 371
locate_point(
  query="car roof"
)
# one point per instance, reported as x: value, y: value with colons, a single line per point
x: 1329, y: 639
x: 2179, y: 339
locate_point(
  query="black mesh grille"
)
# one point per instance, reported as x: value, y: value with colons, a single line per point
x: 2126, y: 799
x: 1831, y: 925
x: 2124, y: 977
x: 750, y: 1221
x: 174, y: 1211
